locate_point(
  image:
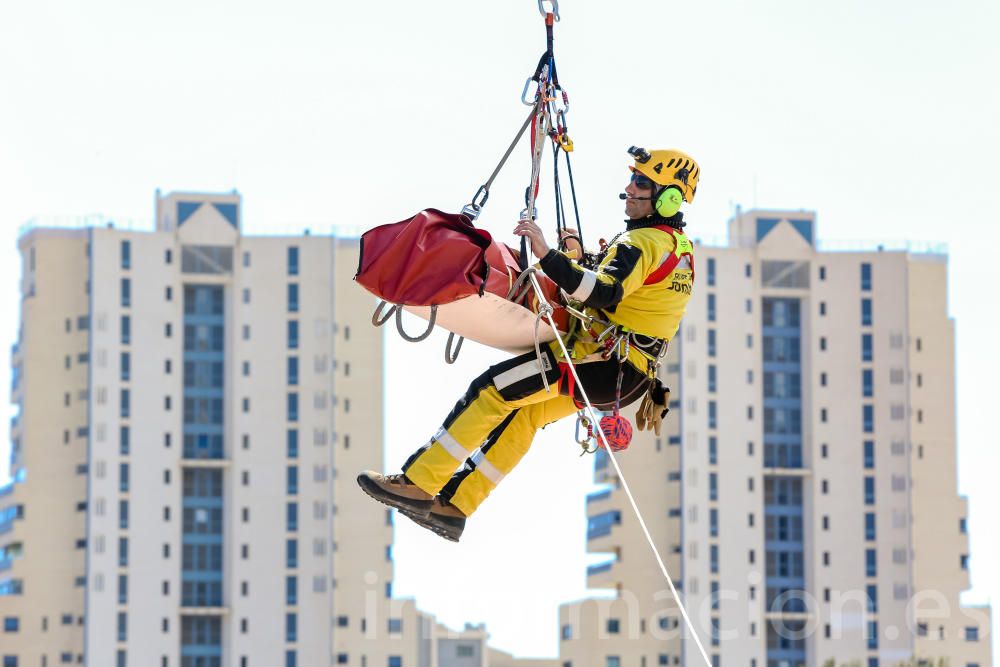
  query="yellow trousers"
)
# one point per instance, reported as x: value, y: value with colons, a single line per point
x: 493, y: 425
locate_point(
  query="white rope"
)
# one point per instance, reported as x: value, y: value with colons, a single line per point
x: 546, y: 308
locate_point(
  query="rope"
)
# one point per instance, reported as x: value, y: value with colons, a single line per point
x: 449, y: 357
x: 540, y: 132
x: 545, y: 307
x: 576, y: 209
x: 472, y: 209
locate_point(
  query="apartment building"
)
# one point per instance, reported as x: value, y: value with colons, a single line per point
x: 193, y: 405
x: 803, y: 493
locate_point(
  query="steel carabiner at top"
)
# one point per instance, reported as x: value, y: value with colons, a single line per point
x: 555, y: 8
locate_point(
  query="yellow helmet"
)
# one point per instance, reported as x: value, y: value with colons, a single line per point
x: 668, y: 167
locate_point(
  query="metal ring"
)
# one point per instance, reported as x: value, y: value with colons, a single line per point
x: 555, y: 8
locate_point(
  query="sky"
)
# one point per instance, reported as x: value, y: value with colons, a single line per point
x: 879, y: 116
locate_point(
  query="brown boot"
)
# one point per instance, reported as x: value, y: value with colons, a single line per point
x: 395, y: 491
x: 444, y: 519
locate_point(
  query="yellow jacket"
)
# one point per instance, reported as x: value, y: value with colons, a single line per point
x: 643, y: 283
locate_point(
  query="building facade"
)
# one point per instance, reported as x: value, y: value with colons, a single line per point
x: 803, y: 493
x: 194, y: 404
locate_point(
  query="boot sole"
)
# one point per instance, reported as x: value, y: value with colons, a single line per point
x: 449, y: 533
x: 419, y: 507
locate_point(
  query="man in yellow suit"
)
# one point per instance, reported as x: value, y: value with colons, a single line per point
x: 639, y: 285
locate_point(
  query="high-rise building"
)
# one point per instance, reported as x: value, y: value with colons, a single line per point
x: 803, y: 492
x: 193, y: 405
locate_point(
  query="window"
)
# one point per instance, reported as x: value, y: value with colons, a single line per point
x: 869, y: 490
x: 11, y: 624
x: 291, y: 554
x: 123, y: 477
x: 713, y: 558
x: 122, y: 626
x: 713, y: 522
x: 972, y: 634
x: 866, y: 347
x: 293, y: 334
x: 290, y: 658
x: 123, y: 552
x: 866, y: 277
x: 712, y: 372
x: 711, y: 342
x: 869, y: 450
x: 822, y: 308
x: 872, y: 593
x: 870, y: 526
x: 866, y: 312
x: 293, y: 260
x: 868, y: 418
x: 395, y: 625
x: 871, y: 566
x: 293, y: 370
x: 711, y: 271
x: 712, y: 414
x: 711, y: 307
x: 126, y: 293
x: 125, y: 366
x: 293, y: 297
x: 126, y: 330
x: 713, y: 486
x: 293, y: 480
x: 293, y: 407
x: 126, y: 254
x: 613, y: 661
x: 292, y: 441
x: 872, y: 635
x: 123, y: 514
x: 867, y: 382
x: 291, y: 591
x: 713, y: 450
x: 395, y: 661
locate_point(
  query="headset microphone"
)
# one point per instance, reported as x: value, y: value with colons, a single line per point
x: 625, y: 196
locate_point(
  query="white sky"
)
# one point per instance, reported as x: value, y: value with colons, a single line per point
x: 881, y: 116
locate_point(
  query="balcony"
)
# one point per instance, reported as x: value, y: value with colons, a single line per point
x: 598, y: 496
x: 600, y: 525
x: 600, y: 568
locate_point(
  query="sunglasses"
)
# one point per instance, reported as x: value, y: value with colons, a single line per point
x: 642, y: 182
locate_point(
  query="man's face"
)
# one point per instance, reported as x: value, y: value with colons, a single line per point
x: 639, y: 186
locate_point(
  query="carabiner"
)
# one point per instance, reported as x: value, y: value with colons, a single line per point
x: 565, y: 142
x: 524, y: 93
x: 474, y: 208
x: 555, y: 8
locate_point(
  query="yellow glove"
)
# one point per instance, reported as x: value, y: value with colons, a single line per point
x: 653, y: 408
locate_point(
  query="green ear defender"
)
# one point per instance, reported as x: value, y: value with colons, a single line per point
x: 669, y: 202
